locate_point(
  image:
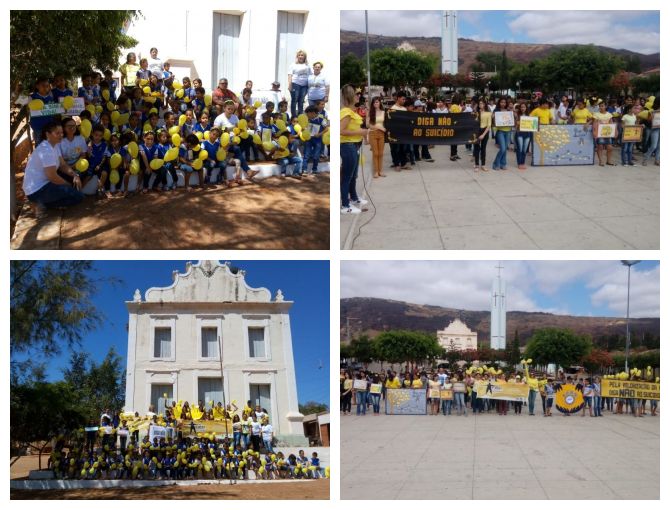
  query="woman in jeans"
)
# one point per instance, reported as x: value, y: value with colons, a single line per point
x: 549, y: 392
x: 588, y: 398
x: 375, y: 397
x: 479, y: 151
x: 375, y: 123
x: 503, y: 137
x: 521, y: 138
x: 351, y: 138
x: 597, y: 400
x: 298, y: 78
x: 361, y: 396
x: 459, y: 396
x: 654, y: 136
x: 345, y: 394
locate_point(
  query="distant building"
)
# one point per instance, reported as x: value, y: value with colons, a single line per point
x: 498, y: 312
x: 457, y: 336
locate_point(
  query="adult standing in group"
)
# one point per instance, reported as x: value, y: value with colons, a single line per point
x: 351, y: 139
x: 42, y: 183
x: 521, y: 138
x: 346, y: 389
x: 318, y: 86
x: 655, y: 134
x: 129, y: 73
x: 479, y: 149
x: 155, y: 64
x: 222, y: 93
x: 533, y: 387
x: 375, y: 123
x: 298, y: 78
x: 503, y: 136
x: 399, y: 150
x: 455, y: 107
x: 602, y: 116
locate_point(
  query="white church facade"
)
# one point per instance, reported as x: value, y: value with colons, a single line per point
x: 457, y: 336
x: 211, y: 337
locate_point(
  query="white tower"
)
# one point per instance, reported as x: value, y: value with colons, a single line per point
x: 449, y: 43
x: 498, y: 312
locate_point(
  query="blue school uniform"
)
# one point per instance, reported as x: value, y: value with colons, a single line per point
x: 198, y: 105
x: 97, y: 155
x: 89, y: 94
x: 199, y: 128
x: 38, y: 123
x: 58, y: 93
x: 313, y: 146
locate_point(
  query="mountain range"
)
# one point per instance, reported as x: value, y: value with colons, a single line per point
x: 468, y: 49
x: 373, y: 315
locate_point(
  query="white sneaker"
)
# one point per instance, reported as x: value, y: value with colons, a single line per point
x: 350, y: 210
x: 360, y: 202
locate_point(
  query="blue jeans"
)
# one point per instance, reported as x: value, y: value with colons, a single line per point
x: 237, y: 437
x: 349, y: 155
x: 502, y: 139
x: 375, y: 402
x: 237, y: 152
x: 459, y: 402
x: 313, y: 152
x: 210, y: 165
x: 298, y: 93
x: 550, y: 402
x: 627, y: 153
x: 361, y: 402
x: 531, y: 401
x: 598, y: 405
x: 268, y: 446
x: 588, y: 402
x: 291, y: 160
x: 246, y: 439
x: 446, y: 407
x: 654, y: 145
x: 522, y: 141
x: 56, y: 195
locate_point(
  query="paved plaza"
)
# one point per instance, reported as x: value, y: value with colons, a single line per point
x: 500, y: 457
x: 446, y: 205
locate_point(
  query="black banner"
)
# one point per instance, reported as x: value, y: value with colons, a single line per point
x: 431, y: 128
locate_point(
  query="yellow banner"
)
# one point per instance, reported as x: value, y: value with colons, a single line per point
x: 501, y: 390
x: 630, y: 389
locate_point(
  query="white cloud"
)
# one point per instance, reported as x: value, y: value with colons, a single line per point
x: 393, y: 23
x: 605, y: 28
x: 467, y: 284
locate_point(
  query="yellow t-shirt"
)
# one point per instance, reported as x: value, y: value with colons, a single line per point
x: 355, y: 122
x: 417, y: 384
x: 603, y: 118
x: 543, y: 114
x: 485, y: 120
x: 393, y: 383
x: 581, y: 116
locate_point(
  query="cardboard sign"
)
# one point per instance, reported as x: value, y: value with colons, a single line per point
x: 360, y: 384
x: 563, y: 145
x: 459, y: 387
x: 447, y: 394
x: 632, y: 134
x: 51, y: 109
x: 630, y: 389
x: 157, y: 432
x: 434, y: 393
x: 605, y: 130
x: 656, y: 120
x: 501, y: 390
x: 376, y: 388
x: 405, y: 401
x: 504, y: 119
x: 431, y: 128
x: 528, y: 124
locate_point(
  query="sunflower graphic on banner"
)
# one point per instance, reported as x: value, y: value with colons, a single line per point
x: 569, y: 399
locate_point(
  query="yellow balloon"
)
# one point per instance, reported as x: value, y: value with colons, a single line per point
x: 68, y: 102
x: 236, y: 140
x: 143, y: 82
x: 153, y: 110
x: 197, y: 164
x: 242, y: 124
x: 182, y: 119
x: 208, y: 100
x: 303, y: 120
x: 298, y: 128
x: 281, y: 125
x: 179, y: 93
x: 105, y: 94
x: 203, y: 155
x: 199, y: 135
x: 91, y: 109
x: 115, y: 161
x: 177, y: 85
x: 244, y: 134
x: 187, y: 99
x: 81, y: 165
x: 155, y: 164
x: 133, y: 149
x: 283, y: 142
x: 268, y: 146
x: 107, y: 134
x: 283, y: 153
x: 146, y: 91
x: 173, y: 130
x: 257, y: 104
x: 135, y: 166
x: 196, y: 148
x: 98, y: 109
x: 176, y: 140
x: 85, y: 128
x: 529, y: 361
x: 236, y: 131
x: 115, y: 117
x: 146, y: 128
x: 172, y: 154
x: 36, y: 104
x: 225, y: 139
x: 114, y: 177
x: 257, y: 139
x: 123, y: 119
x: 326, y: 138
x: 205, y: 136
x: 305, y: 135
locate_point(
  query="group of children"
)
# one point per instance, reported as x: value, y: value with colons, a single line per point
x: 153, y: 134
x: 182, y: 458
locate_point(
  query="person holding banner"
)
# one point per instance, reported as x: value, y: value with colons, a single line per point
x: 479, y: 150
x: 459, y: 395
x: 502, y: 136
x: 627, y: 119
x: 602, y: 116
x: 375, y: 393
x: 376, y: 135
x: 351, y: 138
x: 522, y: 139
x: 361, y: 389
x: 42, y: 93
x: 434, y: 386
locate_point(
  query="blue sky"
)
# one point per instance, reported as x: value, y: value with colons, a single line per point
x: 307, y: 283
x: 586, y: 288
x: 633, y: 30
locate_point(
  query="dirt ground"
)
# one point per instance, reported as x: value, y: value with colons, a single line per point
x: 316, y: 489
x: 272, y: 214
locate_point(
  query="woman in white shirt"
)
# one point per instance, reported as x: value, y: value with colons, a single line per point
x: 155, y: 64
x: 318, y: 86
x: 298, y: 78
x: 267, y: 434
x: 43, y: 184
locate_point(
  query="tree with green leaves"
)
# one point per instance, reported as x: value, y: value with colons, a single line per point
x: 38, y: 46
x: 352, y: 71
x: 398, y: 68
x: 312, y: 407
x: 402, y: 346
x: 561, y: 347
x: 362, y: 349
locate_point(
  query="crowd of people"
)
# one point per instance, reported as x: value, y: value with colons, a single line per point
x: 155, y: 126
x: 112, y: 448
x: 464, y: 395
x: 363, y: 123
